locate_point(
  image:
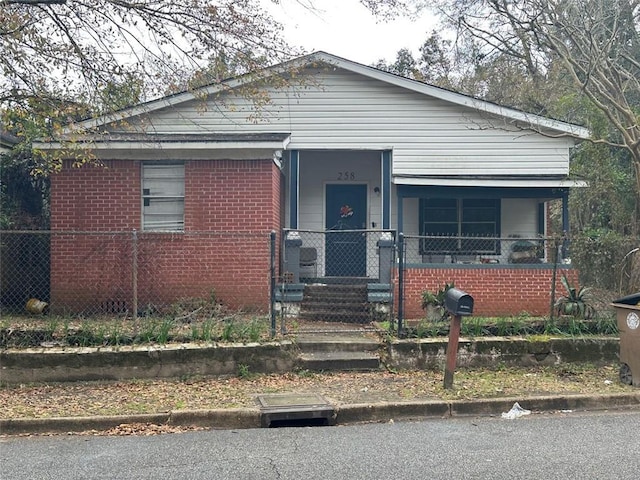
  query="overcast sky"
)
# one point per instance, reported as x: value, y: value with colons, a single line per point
x: 347, y: 29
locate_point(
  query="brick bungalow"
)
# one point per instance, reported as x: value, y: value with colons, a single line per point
x: 199, y: 179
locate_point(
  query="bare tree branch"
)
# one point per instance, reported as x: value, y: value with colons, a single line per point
x: 77, y: 47
x: 595, y: 44
x: 33, y: 2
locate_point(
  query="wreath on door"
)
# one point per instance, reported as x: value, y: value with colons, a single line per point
x: 346, y: 211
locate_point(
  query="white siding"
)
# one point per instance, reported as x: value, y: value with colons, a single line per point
x: 320, y: 168
x: 519, y: 217
x: 348, y: 111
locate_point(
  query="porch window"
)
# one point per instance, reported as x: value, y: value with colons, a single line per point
x: 163, y: 197
x: 460, y: 217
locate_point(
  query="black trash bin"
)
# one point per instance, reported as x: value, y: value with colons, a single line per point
x: 628, y: 317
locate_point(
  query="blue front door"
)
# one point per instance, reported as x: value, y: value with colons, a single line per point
x: 345, y: 246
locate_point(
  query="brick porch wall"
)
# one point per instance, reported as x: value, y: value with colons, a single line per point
x: 496, y: 290
x: 237, y: 200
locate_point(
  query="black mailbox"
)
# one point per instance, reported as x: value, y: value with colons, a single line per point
x: 458, y: 302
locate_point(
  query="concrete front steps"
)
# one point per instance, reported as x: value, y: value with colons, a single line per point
x: 344, y: 352
x: 346, y: 303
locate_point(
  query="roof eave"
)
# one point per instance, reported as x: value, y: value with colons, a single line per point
x: 456, y: 98
x: 159, y: 145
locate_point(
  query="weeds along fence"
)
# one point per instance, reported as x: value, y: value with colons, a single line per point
x: 133, y: 273
x: 607, y: 261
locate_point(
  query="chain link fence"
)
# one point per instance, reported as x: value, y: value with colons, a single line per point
x: 525, y: 279
x: 185, y: 279
x: 133, y: 273
x: 215, y: 285
x: 340, y: 254
x: 475, y: 250
x: 607, y: 261
x: 24, y: 269
x: 506, y: 276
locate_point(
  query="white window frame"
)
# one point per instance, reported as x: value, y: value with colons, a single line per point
x: 168, y: 192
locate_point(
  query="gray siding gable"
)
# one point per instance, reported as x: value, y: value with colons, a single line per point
x: 342, y: 105
x: 346, y: 111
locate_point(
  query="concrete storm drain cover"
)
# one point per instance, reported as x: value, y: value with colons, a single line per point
x: 295, y: 409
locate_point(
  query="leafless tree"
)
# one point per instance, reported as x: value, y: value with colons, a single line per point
x: 596, y: 43
x: 76, y: 49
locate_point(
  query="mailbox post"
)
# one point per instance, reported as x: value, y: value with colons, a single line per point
x: 458, y: 304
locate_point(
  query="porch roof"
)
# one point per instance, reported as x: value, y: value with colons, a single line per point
x: 275, y: 140
x: 182, y: 146
x: 481, y: 191
x: 489, y: 181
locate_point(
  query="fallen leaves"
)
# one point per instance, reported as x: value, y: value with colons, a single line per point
x: 146, y: 429
x: 194, y: 393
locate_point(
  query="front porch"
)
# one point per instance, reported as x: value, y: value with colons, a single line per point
x: 337, y: 276
x: 506, y: 276
x: 352, y: 219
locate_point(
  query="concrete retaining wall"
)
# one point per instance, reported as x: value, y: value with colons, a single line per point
x: 431, y: 353
x: 82, y: 364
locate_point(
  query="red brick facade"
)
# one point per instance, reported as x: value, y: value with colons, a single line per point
x: 237, y: 204
x: 496, y: 291
x: 231, y: 206
x: 96, y: 198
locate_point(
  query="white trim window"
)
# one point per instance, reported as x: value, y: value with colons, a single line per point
x: 163, y: 197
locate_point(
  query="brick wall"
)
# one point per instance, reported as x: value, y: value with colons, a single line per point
x: 232, y: 195
x: 93, y: 198
x: 235, y: 202
x: 496, y: 291
x: 233, y: 267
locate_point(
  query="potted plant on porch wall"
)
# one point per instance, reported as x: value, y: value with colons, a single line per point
x: 433, y: 302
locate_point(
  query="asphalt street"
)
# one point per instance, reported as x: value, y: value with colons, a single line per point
x: 569, y: 445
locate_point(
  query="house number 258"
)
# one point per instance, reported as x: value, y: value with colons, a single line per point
x: 344, y: 176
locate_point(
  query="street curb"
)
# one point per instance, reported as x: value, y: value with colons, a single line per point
x: 386, y: 411
x: 17, y: 426
x: 549, y: 403
x: 220, y: 418
x: 243, y: 418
